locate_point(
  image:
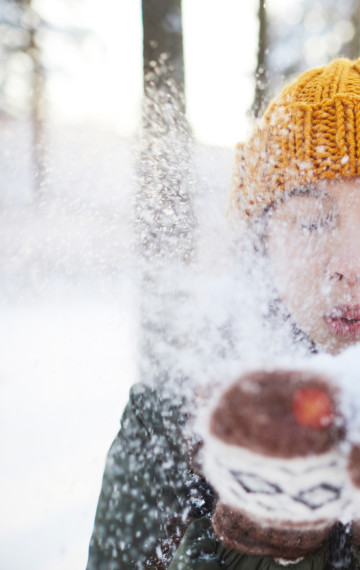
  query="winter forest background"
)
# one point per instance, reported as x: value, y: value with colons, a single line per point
x: 78, y: 156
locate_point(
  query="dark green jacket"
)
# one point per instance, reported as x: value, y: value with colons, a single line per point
x: 154, y: 510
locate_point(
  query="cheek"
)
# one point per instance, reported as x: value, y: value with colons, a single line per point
x: 298, y: 267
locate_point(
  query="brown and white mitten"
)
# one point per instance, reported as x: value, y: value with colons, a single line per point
x: 270, y: 451
x: 354, y: 491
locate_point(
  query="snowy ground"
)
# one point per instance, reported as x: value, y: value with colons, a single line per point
x: 67, y: 336
x: 65, y: 371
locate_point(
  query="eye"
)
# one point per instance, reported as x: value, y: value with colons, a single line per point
x: 318, y: 225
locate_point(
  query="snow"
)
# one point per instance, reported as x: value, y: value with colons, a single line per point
x: 68, y: 341
x: 68, y: 331
x: 65, y: 372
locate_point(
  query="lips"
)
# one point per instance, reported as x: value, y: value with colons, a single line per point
x: 344, y: 321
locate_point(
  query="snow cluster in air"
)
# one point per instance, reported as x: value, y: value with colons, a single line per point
x: 200, y: 307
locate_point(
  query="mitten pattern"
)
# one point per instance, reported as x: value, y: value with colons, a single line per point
x: 272, y: 453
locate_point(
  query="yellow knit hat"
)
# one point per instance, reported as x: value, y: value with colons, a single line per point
x: 310, y: 132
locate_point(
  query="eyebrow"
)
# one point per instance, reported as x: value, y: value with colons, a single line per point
x: 308, y: 190
x: 311, y: 192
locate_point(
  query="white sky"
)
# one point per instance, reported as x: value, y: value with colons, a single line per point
x: 220, y: 55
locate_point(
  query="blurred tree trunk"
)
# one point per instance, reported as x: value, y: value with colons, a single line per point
x: 37, y: 109
x: 164, y: 161
x: 164, y: 218
x: 30, y: 23
x: 352, y: 48
x: 162, y: 25
x: 22, y: 32
x: 261, y: 74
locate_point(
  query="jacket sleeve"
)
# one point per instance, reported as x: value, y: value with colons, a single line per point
x: 201, y: 550
x: 144, y: 506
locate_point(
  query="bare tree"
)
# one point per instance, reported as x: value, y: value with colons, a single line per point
x: 20, y: 25
x: 352, y: 48
x: 162, y: 25
x: 38, y: 99
x: 23, y: 30
x: 164, y: 218
x: 261, y: 68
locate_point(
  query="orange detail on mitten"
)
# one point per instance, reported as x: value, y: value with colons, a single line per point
x: 312, y: 408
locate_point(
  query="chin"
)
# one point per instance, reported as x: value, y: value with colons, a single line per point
x: 334, y: 345
x: 324, y: 340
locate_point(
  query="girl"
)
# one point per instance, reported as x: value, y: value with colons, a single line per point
x: 296, y: 184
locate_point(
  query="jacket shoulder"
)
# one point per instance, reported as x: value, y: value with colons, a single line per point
x: 145, y: 488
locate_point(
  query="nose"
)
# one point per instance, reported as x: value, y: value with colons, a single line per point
x: 351, y: 278
x: 344, y: 264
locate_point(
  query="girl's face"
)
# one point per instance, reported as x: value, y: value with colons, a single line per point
x: 314, y: 249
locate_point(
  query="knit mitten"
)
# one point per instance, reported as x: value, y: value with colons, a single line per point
x: 354, y: 495
x: 270, y: 451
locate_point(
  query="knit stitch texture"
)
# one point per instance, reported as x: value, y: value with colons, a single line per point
x: 310, y: 132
